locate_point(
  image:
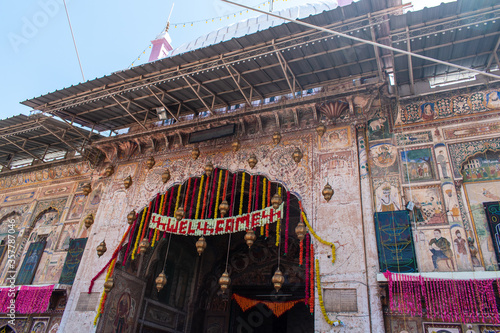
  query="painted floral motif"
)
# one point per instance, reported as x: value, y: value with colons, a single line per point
x: 477, y: 102
x: 461, y: 105
x: 443, y: 107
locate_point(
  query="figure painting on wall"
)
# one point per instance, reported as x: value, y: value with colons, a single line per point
x: 493, y: 100
x: 77, y: 206
x: 417, y: 165
x: 460, y: 246
x: 482, y: 166
x: 443, y: 163
x: 387, y: 200
x: 427, y: 111
x: 428, y: 204
x: 440, y: 248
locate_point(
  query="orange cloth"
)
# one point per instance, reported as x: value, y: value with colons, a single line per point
x: 278, y: 308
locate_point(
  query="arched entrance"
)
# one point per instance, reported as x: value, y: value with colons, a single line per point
x: 191, y: 300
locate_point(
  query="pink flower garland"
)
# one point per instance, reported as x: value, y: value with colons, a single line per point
x: 466, y: 301
x: 5, y: 299
x: 33, y: 299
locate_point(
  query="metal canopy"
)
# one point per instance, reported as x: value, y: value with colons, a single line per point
x: 38, y: 139
x: 283, y: 60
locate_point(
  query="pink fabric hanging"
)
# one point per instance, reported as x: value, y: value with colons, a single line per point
x: 33, y: 299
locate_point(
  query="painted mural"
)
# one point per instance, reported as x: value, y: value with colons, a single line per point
x: 417, y: 165
x: 387, y: 195
x: 462, y: 151
x: 428, y: 201
x: 77, y: 205
x: 478, y: 193
x: 335, y: 138
x: 468, y: 130
x: 442, y: 161
x: 408, y: 139
x: 424, y: 110
x: 378, y: 128
x: 435, y: 249
x: 383, y: 160
x: 482, y: 166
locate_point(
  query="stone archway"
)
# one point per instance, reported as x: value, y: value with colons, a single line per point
x: 191, y: 301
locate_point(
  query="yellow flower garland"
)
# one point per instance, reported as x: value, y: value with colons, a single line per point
x: 178, y: 197
x: 103, y: 296
x: 320, y: 294
x: 263, y: 202
x: 199, y: 198
x: 322, y: 241
x: 278, y: 225
x: 138, y: 234
x: 242, y: 192
x: 217, y: 196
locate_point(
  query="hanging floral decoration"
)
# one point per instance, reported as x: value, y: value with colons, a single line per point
x: 321, y: 240
x: 466, y: 301
x: 6, y: 295
x: 278, y: 308
x: 33, y: 299
x: 320, y: 295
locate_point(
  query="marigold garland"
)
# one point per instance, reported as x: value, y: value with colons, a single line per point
x: 320, y: 295
x: 304, y: 217
x: 242, y: 192
x: 205, y: 195
x: 102, y: 301
x: 311, y: 284
x: 278, y: 225
x: 146, y: 225
x: 226, y: 176
x: 278, y: 308
x: 301, y: 254
x: 193, y: 195
x: 263, y: 201
x: 307, y: 238
x: 268, y: 204
x: 250, y: 195
x: 287, y: 220
x: 217, y: 197
x: 187, y: 195
x: 199, y: 198
x: 138, y: 233
x: 155, y: 211
x: 256, y: 199
x: 130, y: 239
x: 233, y: 198
x: 169, y: 206
x: 212, y: 195
x: 154, y: 238
x: 178, y: 197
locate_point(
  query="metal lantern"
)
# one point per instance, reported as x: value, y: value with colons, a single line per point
x: 224, y: 281
x: 321, y: 129
x: 195, y: 153
x: 223, y: 207
x: 101, y: 249
x: 250, y: 237
x: 89, y: 220
x: 161, y: 281
x: 150, y: 162
x: 236, y: 145
x: 209, y: 168
x: 297, y: 155
x: 109, y: 171
x: 87, y: 188
x: 276, y: 201
x: 301, y: 230
x: 201, y: 245
x: 165, y: 176
x: 327, y: 192
x: 179, y: 213
x: 127, y: 182
x: 131, y: 217
x: 108, y: 285
x: 278, y: 279
x: 252, y: 161
x: 143, y: 245
x: 276, y: 138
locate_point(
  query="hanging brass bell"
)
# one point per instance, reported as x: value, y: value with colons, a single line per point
x: 201, y: 245
x: 131, y: 217
x: 276, y: 138
x: 321, y: 129
x: 127, y: 182
x: 150, y: 162
x: 209, y: 168
x: 161, y: 281
x: 195, y: 153
x: 236, y: 145
x: 89, y: 220
x: 109, y: 171
x: 179, y: 213
x: 252, y: 161
x: 301, y: 230
x: 327, y: 192
x: 223, y: 207
x: 297, y: 155
x: 224, y: 281
x: 278, y: 279
x: 165, y: 176
x: 143, y: 245
x: 276, y: 201
x: 101, y: 249
x: 250, y: 237
x: 108, y: 285
x: 86, y: 189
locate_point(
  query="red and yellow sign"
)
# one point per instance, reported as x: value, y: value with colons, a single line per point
x: 218, y: 226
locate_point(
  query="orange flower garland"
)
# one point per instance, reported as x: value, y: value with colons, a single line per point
x: 278, y: 308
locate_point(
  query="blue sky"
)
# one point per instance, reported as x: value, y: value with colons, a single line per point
x: 37, y: 52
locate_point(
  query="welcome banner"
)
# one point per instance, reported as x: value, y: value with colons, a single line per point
x: 219, y: 226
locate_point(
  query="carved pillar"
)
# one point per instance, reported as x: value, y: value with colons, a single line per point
x: 370, y: 243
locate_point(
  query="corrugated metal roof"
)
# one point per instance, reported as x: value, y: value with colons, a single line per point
x: 187, y: 83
